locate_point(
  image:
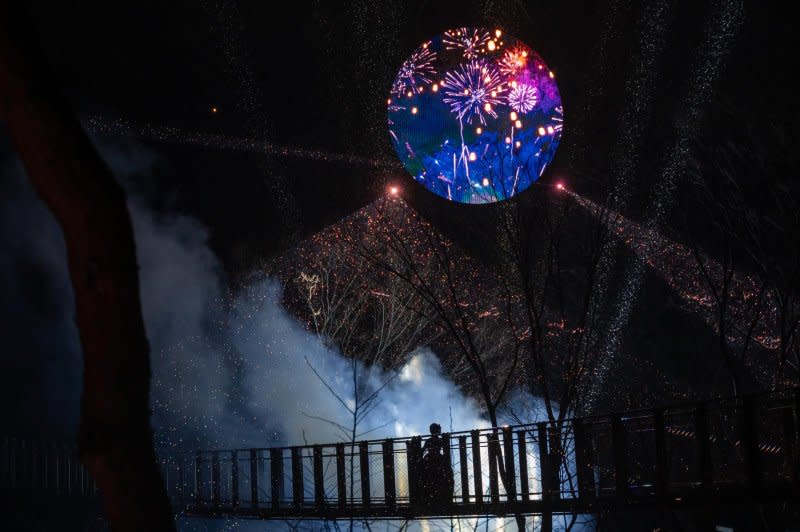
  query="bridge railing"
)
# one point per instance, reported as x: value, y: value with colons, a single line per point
x: 31, y: 465
x: 703, y: 449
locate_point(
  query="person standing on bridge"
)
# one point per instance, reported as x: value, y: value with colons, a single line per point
x: 437, y: 478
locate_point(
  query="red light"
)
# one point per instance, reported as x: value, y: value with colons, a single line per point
x: 394, y: 191
x: 560, y: 186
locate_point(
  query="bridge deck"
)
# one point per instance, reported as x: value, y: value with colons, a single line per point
x: 743, y: 449
x: 726, y: 450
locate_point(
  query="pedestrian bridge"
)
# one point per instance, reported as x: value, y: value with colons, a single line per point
x: 745, y: 449
x: 725, y: 450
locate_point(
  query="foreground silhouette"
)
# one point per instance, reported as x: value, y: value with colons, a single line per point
x: 437, y: 473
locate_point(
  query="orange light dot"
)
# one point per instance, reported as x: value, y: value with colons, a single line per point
x: 518, y: 124
x: 414, y: 110
x: 409, y: 94
x: 487, y: 107
x: 524, y: 53
x: 542, y: 131
x: 513, y: 115
x: 497, y: 33
x: 435, y: 87
x: 421, y: 89
x: 389, y: 101
x: 508, y: 140
x: 491, y: 46
x: 514, y: 84
x: 518, y: 144
x: 213, y: 109
x: 485, y: 181
x: 472, y: 156
x: 394, y: 191
x: 479, y: 130
x: 550, y: 129
x: 560, y: 186
x: 552, y: 75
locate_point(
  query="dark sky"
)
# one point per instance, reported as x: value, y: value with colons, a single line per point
x: 315, y: 75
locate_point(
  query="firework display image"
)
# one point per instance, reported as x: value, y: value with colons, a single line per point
x: 475, y: 115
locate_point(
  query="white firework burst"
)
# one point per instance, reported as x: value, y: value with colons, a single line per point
x: 416, y: 70
x: 472, y: 90
x: 523, y: 98
x: 470, y: 41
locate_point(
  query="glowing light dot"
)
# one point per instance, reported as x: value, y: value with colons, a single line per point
x: 485, y: 181
x: 472, y: 156
x: 414, y: 110
x: 513, y: 115
x: 389, y: 101
x: 435, y: 87
x: 560, y: 186
x: 518, y: 144
x: 421, y: 89
x: 508, y: 140
x: 491, y: 46
x: 542, y: 131
x: 479, y: 130
x: 541, y: 67
x: 514, y: 83
x: 488, y: 79
x: 550, y: 129
x: 394, y: 191
x: 487, y: 107
x: 552, y: 76
x: 494, y: 94
x: 466, y: 92
x: 213, y: 109
x: 524, y: 53
x: 497, y: 33
x: 518, y: 124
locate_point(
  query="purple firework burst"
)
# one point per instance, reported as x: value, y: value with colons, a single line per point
x: 417, y: 69
x: 523, y: 98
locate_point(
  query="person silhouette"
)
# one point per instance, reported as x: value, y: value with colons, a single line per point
x: 437, y: 472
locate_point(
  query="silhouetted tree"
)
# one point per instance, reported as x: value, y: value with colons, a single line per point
x: 115, y: 438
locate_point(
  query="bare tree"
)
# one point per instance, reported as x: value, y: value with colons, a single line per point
x: 749, y: 259
x: 115, y: 438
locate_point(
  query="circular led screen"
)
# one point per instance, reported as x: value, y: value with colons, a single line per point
x: 475, y: 115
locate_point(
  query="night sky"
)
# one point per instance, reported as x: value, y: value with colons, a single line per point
x: 315, y: 76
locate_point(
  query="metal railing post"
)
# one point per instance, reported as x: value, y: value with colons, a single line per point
x: 389, y: 488
x: 508, y: 451
x: 298, y: 490
x: 319, y: 480
x: 522, y: 452
x: 462, y: 459
x: 276, y: 476
x: 363, y: 452
x: 476, y: 466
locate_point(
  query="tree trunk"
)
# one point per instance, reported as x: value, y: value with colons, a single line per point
x: 115, y: 439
